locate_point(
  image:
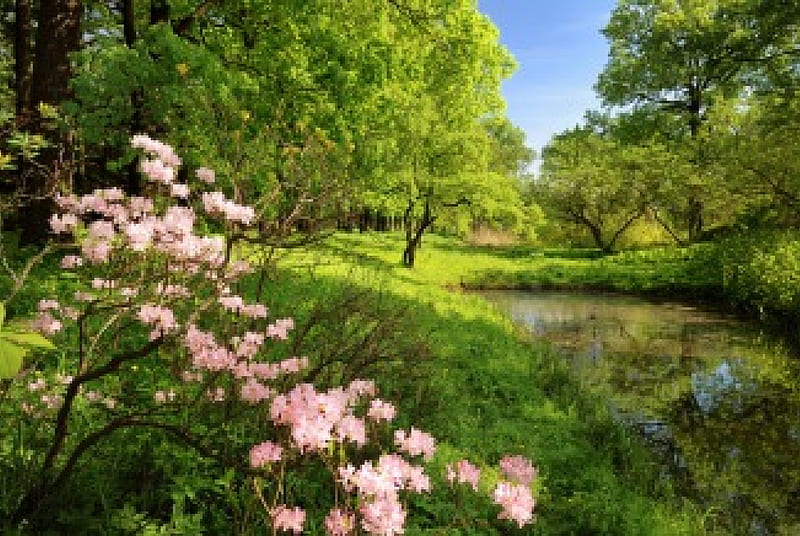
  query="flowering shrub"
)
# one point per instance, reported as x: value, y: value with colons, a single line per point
x: 157, y: 328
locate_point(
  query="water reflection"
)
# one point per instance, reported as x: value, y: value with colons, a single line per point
x: 716, y: 398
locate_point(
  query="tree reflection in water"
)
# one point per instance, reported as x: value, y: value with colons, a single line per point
x: 717, y: 400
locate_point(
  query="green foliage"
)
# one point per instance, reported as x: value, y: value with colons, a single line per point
x: 15, y: 344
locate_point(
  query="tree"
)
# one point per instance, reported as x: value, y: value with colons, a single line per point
x: 680, y: 55
x: 593, y: 181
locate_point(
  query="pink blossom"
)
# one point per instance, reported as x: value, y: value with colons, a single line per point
x: 110, y: 194
x: 46, y: 324
x: 216, y: 203
x: 63, y: 223
x: 101, y: 230
x: 93, y: 396
x: 353, y: 429
x: 206, y: 353
x: 48, y: 305
x: 380, y: 410
x: 189, y: 376
x: 71, y: 261
x: 516, y: 501
x: 68, y: 202
x: 383, y: 516
x: 91, y: 203
x: 280, y: 328
x: 206, y: 175
x: 264, y: 453
x: 101, y: 284
x: 288, y: 519
x: 172, y: 291
x: 179, y: 190
x: 156, y: 148
x: 253, y: 391
x: 465, y: 473
x: 52, y: 401
x: 255, y: 310
x: 139, y: 235
x: 518, y: 469
x: 96, y: 252
x: 161, y: 318
x: 37, y: 385
x: 339, y: 523
x: 139, y: 206
x: 265, y: 371
x: 415, y: 443
x: 359, y: 388
x: 293, y: 365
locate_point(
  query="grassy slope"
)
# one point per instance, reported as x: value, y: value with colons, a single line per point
x: 492, y: 390
x: 487, y: 389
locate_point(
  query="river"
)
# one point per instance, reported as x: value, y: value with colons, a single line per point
x: 717, y: 399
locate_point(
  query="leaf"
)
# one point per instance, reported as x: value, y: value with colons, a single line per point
x: 2, y: 314
x: 14, y: 345
x: 10, y: 359
x: 27, y: 339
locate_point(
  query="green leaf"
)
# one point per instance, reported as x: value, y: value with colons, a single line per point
x: 2, y: 314
x: 10, y: 359
x: 27, y: 339
x: 14, y: 345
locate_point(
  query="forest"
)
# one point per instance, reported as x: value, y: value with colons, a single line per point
x: 241, y: 244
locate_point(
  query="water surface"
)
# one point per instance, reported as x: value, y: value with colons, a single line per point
x: 716, y: 398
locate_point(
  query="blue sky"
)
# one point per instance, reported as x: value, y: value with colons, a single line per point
x: 560, y: 52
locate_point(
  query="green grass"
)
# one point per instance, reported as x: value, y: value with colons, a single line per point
x: 457, y: 368
x: 489, y: 389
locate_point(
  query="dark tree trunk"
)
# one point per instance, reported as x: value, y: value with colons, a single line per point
x: 414, y: 234
x: 58, y: 35
x: 133, y: 177
x: 22, y: 60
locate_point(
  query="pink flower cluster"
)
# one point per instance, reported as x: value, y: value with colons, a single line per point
x: 340, y: 523
x: 378, y: 486
x: 160, y: 318
x: 518, y: 469
x: 264, y: 453
x: 339, y: 420
x: 288, y: 519
x: 415, y: 443
x: 464, y: 472
x: 517, y: 502
x: 45, y: 322
x: 216, y: 203
x: 315, y: 419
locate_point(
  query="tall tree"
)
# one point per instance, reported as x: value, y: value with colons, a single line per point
x: 682, y: 54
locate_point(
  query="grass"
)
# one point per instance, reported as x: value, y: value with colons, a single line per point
x: 489, y: 389
x: 458, y: 368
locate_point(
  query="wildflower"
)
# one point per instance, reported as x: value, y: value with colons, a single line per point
x: 465, y: 473
x: 516, y: 501
x: 288, y: 519
x: 415, y: 443
x: 518, y: 469
x: 339, y: 523
x: 264, y: 453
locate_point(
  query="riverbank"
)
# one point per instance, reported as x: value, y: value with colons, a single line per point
x: 457, y: 368
x: 487, y: 386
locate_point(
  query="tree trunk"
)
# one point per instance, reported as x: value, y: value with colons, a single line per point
x: 22, y: 60
x: 414, y: 238
x: 134, y: 178
x: 58, y: 35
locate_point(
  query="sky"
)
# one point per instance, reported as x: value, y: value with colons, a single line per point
x: 559, y: 52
